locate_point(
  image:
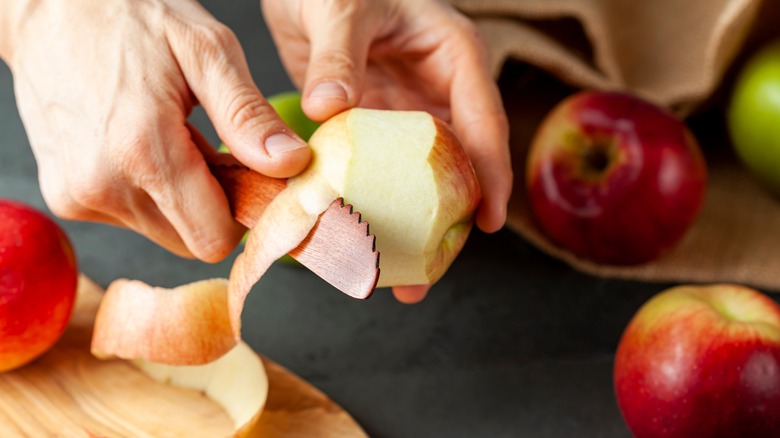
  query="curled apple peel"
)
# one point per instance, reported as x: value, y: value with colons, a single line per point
x: 286, y: 221
x: 185, y: 325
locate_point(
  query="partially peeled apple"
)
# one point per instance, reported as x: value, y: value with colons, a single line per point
x: 404, y: 171
x: 409, y: 177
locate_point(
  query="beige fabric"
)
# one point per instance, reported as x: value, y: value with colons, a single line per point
x: 669, y: 51
x: 679, y: 54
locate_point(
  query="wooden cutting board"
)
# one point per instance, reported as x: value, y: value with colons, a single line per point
x: 69, y: 393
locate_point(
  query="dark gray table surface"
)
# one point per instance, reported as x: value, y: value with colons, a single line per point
x: 510, y: 343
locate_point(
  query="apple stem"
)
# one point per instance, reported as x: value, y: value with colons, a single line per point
x: 597, y: 157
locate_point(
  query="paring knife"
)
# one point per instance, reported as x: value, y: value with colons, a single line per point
x: 339, y: 248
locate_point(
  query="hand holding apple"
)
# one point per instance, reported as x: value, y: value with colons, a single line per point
x: 613, y: 178
x: 701, y: 361
x: 38, y: 276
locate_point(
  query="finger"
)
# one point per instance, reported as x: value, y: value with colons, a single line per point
x: 339, y: 34
x: 131, y: 209
x: 215, y: 68
x: 145, y: 218
x: 481, y: 123
x: 411, y: 294
x: 189, y: 196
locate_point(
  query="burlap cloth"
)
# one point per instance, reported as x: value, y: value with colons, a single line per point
x: 681, y: 54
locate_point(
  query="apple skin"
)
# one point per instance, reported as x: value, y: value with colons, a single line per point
x: 613, y: 178
x: 38, y: 279
x: 701, y: 361
x: 754, y: 116
x: 186, y: 325
x: 288, y: 105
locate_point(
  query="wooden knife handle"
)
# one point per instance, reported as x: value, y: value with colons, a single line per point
x: 248, y: 192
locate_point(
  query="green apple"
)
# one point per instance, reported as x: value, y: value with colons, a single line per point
x: 754, y: 116
x: 288, y: 106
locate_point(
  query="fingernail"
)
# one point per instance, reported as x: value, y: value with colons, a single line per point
x: 328, y: 90
x: 282, y: 143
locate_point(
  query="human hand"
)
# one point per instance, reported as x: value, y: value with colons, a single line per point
x: 104, y: 90
x: 400, y: 54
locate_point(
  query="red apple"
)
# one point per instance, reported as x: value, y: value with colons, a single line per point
x: 38, y: 277
x: 701, y: 361
x: 613, y: 178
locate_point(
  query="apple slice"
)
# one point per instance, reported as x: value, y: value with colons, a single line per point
x: 187, y: 325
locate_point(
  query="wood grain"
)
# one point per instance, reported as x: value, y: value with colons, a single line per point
x: 248, y: 192
x: 341, y: 250
x: 69, y: 393
x: 313, y: 414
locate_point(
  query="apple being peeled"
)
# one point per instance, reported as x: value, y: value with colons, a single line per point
x: 38, y: 278
x: 754, y: 116
x: 405, y: 172
x: 409, y: 177
x: 613, y: 178
x: 701, y: 361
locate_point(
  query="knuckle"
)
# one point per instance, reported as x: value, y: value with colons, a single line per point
x: 209, y: 246
x: 245, y: 107
x: 468, y: 35
x: 204, y: 48
x: 339, y: 61
x: 217, y: 38
x: 464, y: 24
x: 92, y: 193
x: 54, y: 191
x: 93, y: 186
x: 60, y: 204
x: 138, y: 161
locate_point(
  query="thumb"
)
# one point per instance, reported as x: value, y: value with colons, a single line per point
x: 339, y: 36
x: 217, y: 73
